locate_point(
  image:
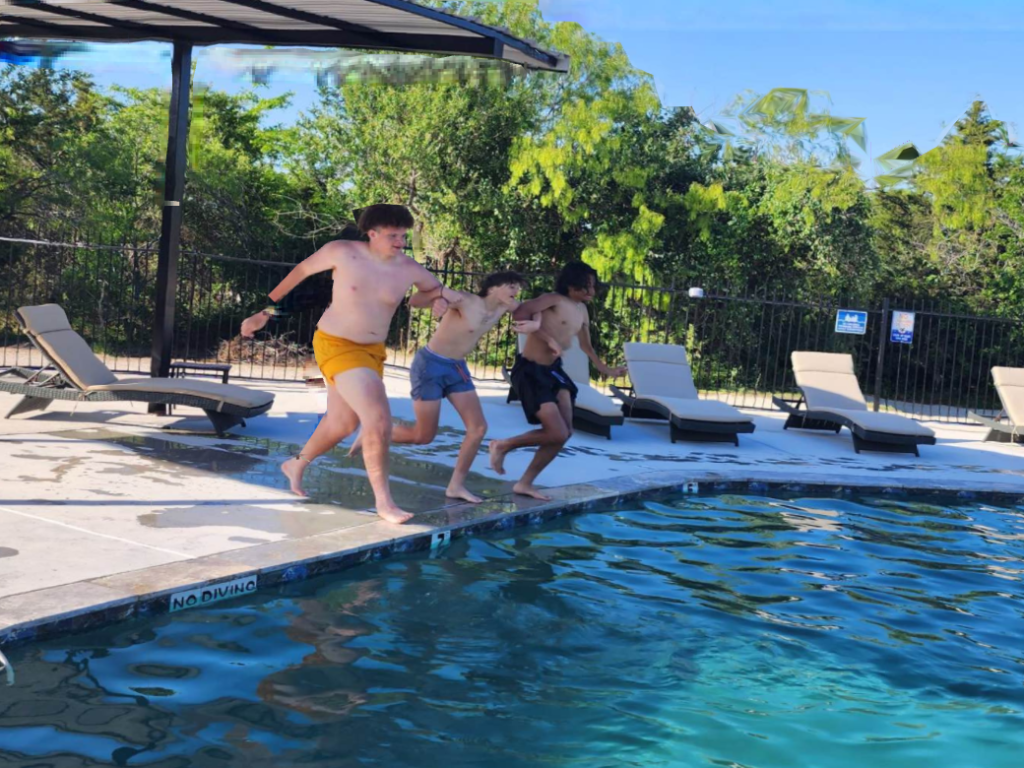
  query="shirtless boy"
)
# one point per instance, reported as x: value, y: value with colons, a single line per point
x: 370, y: 280
x: 545, y: 390
x: 439, y: 369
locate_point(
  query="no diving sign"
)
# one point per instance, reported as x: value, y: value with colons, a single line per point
x: 212, y: 593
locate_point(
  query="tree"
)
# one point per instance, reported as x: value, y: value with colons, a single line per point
x: 47, y: 117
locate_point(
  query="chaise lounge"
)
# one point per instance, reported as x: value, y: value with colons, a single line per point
x: 663, y: 388
x: 832, y: 399
x: 79, y: 375
x: 594, y: 412
x: 1010, y: 387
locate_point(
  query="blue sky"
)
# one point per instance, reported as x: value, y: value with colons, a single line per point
x: 909, y: 66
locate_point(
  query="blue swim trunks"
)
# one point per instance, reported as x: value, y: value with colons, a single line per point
x: 434, y: 377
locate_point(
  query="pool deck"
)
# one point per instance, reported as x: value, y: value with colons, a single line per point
x: 105, y: 513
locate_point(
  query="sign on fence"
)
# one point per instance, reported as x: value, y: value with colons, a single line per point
x: 851, y: 321
x: 902, y: 328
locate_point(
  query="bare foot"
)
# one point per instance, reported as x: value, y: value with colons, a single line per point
x: 357, y: 445
x: 393, y: 514
x: 460, y: 492
x: 293, y: 469
x: 497, y: 456
x: 525, y: 489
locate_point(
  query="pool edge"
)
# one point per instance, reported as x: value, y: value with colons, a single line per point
x: 98, y: 602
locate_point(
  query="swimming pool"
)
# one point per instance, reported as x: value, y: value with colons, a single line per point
x: 728, y: 630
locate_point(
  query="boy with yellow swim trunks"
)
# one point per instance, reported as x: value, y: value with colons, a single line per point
x: 370, y: 280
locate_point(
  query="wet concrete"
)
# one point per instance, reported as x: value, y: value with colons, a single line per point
x: 417, y: 483
x: 103, y: 506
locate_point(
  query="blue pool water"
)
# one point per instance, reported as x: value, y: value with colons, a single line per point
x: 730, y: 630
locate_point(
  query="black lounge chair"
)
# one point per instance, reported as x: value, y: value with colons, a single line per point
x: 832, y: 399
x: 663, y: 388
x: 1010, y: 387
x: 78, y: 375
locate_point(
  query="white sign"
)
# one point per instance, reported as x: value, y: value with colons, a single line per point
x: 852, y: 321
x: 902, y: 328
x: 213, y: 593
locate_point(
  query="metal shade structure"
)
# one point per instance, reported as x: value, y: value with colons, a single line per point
x: 379, y: 25
x: 392, y: 25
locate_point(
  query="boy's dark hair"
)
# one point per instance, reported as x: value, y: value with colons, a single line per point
x: 351, y: 232
x: 495, y: 279
x: 384, y: 215
x: 575, y: 274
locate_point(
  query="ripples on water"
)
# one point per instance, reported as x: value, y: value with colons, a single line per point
x: 697, y: 631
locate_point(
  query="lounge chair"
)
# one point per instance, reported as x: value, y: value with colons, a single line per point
x: 663, y: 388
x: 1010, y: 387
x: 832, y: 399
x: 79, y: 375
x: 594, y: 412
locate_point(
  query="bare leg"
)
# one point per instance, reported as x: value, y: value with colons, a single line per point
x: 560, y: 421
x: 339, y: 422
x: 422, y: 432
x: 364, y: 392
x: 468, y: 406
x: 551, y: 431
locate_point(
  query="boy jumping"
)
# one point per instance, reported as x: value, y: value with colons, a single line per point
x: 370, y: 281
x: 439, y: 369
x: 545, y: 390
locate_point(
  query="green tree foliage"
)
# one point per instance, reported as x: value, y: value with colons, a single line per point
x: 529, y: 171
x: 48, y: 120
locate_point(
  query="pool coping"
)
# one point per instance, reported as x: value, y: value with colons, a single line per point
x: 70, y: 608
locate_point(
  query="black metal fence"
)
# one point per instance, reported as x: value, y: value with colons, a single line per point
x: 739, y: 346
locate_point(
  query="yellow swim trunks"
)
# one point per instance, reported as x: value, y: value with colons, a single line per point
x: 336, y: 355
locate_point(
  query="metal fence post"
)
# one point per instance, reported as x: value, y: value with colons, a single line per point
x: 881, y: 352
x: 170, y: 233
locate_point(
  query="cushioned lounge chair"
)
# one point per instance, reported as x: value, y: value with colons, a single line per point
x: 81, y: 376
x: 663, y: 388
x: 832, y: 399
x: 594, y: 412
x: 1010, y: 387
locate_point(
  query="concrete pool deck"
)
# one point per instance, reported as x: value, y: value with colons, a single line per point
x: 107, y: 512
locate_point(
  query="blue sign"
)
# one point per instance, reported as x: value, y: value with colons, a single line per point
x: 902, y: 328
x: 852, y: 321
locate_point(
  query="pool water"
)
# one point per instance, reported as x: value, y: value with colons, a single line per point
x: 730, y: 630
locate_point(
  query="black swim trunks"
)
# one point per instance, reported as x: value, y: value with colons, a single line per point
x: 537, y: 384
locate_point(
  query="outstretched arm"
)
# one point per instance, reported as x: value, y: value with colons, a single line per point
x: 588, y: 350
x: 321, y: 261
x: 533, y: 327
x: 528, y: 309
x: 423, y: 299
x: 429, y: 289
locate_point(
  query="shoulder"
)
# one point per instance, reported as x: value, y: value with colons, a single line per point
x: 471, y: 300
x: 409, y: 263
x: 342, y: 248
x: 560, y: 301
x: 551, y: 298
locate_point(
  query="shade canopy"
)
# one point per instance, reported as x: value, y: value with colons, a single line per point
x: 394, y: 25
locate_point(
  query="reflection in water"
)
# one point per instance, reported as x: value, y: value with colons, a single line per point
x: 732, y: 630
